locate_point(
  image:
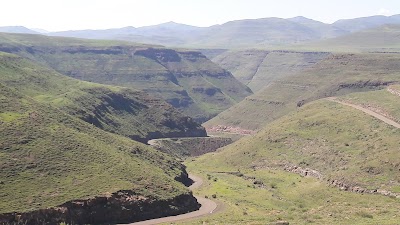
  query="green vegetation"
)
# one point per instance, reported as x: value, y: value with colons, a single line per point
x: 382, y: 102
x: 193, y: 146
x: 49, y: 157
x: 337, y: 74
x: 286, y: 197
x: 381, y: 39
x: 115, y: 109
x: 185, y: 79
x: 340, y: 142
x: 259, y: 68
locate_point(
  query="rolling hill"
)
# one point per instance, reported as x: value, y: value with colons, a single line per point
x: 338, y: 74
x: 233, y: 34
x: 17, y: 29
x: 323, y: 30
x: 348, y: 162
x: 363, y: 23
x: 186, y: 79
x: 57, y: 168
x: 384, y: 38
x: 123, y: 111
x: 249, y: 33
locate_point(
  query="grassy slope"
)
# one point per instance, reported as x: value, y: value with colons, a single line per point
x: 340, y: 142
x: 335, y: 75
x: 382, y: 102
x: 48, y: 157
x: 385, y: 38
x: 242, y: 64
x: 118, y: 110
x: 288, y: 197
x: 259, y: 68
x: 180, y: 77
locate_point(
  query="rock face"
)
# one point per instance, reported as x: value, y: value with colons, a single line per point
x: 119, y: 207
x: 185, y: 147
x: 150, y: 123
x: 186, y: 79
x: 128, y: 112
x: 307, y: 172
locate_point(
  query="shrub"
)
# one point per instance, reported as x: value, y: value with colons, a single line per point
x: 364, y: 215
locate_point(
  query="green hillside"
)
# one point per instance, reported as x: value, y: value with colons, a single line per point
x: 337, y: 74
x: 331, y: 145
x: 385, y: 102
x: 259, y: 68
x: 118, y: 110
x: 185, y: 79
x: 48, y: 157
x: 382, y: 39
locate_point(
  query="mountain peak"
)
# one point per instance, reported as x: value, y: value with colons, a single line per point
x: 17, y: 29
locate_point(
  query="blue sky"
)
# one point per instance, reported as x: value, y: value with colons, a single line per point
x: 55, y: 15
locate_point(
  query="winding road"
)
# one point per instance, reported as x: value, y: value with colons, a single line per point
x: 207, y: 207
x: 370, y: 112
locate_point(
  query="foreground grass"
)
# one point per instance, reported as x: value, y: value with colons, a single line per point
x: 286, y: 197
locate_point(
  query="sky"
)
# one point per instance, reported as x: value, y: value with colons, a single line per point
x: 58, y: 15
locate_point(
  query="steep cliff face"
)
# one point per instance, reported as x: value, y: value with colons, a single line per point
x: 185, y: 79
x: 120, y: 207
x: 123, y: 111
x: 133, y: 114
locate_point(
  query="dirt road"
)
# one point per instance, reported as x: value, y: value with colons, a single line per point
x: 372, y: 113
x: 207, y: 207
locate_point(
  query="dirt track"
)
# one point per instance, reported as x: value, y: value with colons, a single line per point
x: 207, y: 207
x: 372, y: 113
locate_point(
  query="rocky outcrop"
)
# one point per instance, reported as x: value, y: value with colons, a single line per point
x: 120, y: 207
x: 303, y: 171
x: 229, y: 129
x: 365, y: 84
x: 186, y: 79
x: 346, y: 187
x: 137, y: 118
x: 337, y: 183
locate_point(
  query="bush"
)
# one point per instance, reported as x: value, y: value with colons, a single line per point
x: 365, y: 215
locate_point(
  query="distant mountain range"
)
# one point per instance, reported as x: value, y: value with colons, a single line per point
x: 18, y: 30
x: 234, y: 34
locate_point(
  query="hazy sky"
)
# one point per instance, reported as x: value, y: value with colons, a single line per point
x: 55, y: 15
